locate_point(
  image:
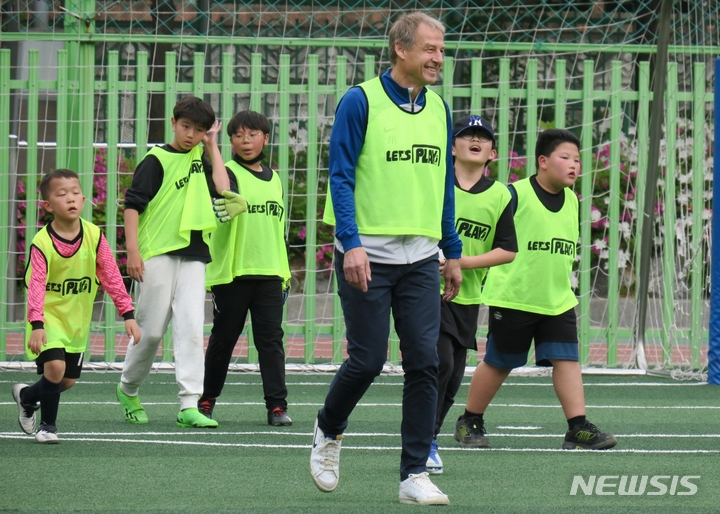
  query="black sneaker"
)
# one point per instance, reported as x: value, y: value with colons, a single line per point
x: 470, y: 433
x: 587, y: 437
x: 278, y: 417
x: 206, y: 406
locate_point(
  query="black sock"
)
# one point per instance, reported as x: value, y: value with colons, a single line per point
x: 49, y: 401
x: 31, y: 394
x: 469, y: 414
x: 577, y: 420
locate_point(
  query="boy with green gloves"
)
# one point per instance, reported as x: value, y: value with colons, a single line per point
x: 250, y: 270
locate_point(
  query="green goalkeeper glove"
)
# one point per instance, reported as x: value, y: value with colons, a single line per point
x: 229, y: 206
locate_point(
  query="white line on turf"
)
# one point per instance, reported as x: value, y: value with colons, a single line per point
x: 69, y: 438
x: 364, y: 404
x: 399, y: 383
x: 609, y: 406
x: 214, y: 433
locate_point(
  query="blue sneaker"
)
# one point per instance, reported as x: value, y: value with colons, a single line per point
x: 434, y: 462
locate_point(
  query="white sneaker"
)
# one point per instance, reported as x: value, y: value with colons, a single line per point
x: 26, y: 413
x: 419, y: 490
x: 325, y: 460
x: 434, y: 462
x: 46, y: 435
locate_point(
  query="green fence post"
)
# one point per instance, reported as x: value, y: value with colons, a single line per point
x: 532, y: 116
x: 643, y: 138
x: 64, y: 127
x: 167, y: 345
x: 282, y: 142
x: 252, y: 353
x: 447, y: 82
x: 369, y: 68
x: 31, y: 170
x: 560, y: 93
x: 669, y: 217
x: 141, y: 106
x: 226, y: 103
x: 585, y: 204
x: 86, y: 132
x: 255, y: 82
x: 614, y: 212
x: 198, y: 74
x: 311, y: 182
x: 476, y: 84
x: 698, y: 204
x: 5, y: 196
x: 283, y: 129
x: 502, y: 132
x: 337, y: 323
x: 113, y: 96
x: 32, y: 173
x: 170, y: 96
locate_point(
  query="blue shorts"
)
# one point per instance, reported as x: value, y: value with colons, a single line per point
x: 511, y: 333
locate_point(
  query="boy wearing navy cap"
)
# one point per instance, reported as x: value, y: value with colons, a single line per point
x: 484, y: 221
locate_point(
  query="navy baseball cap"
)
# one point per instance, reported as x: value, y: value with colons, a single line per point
x: 473, y: 122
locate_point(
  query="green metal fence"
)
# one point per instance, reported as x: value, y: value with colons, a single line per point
x: 79, y: 93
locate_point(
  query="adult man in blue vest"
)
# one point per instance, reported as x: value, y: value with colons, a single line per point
x: 391, y: 184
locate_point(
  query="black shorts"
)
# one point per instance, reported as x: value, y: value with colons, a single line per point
x: 511, y: 333
x: 73, y: 361
x: 460, y: 322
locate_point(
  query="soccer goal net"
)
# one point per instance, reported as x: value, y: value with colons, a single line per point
x: 91, y: 85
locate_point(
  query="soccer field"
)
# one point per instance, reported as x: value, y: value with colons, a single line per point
x: 667, y: 431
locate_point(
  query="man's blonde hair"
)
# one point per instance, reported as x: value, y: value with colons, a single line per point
x: 404, y: 31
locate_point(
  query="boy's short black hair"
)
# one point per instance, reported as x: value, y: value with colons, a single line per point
x: 45, y: 182
x: 550, y: 139
x: 250, y: 120
x: 196, y: 110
